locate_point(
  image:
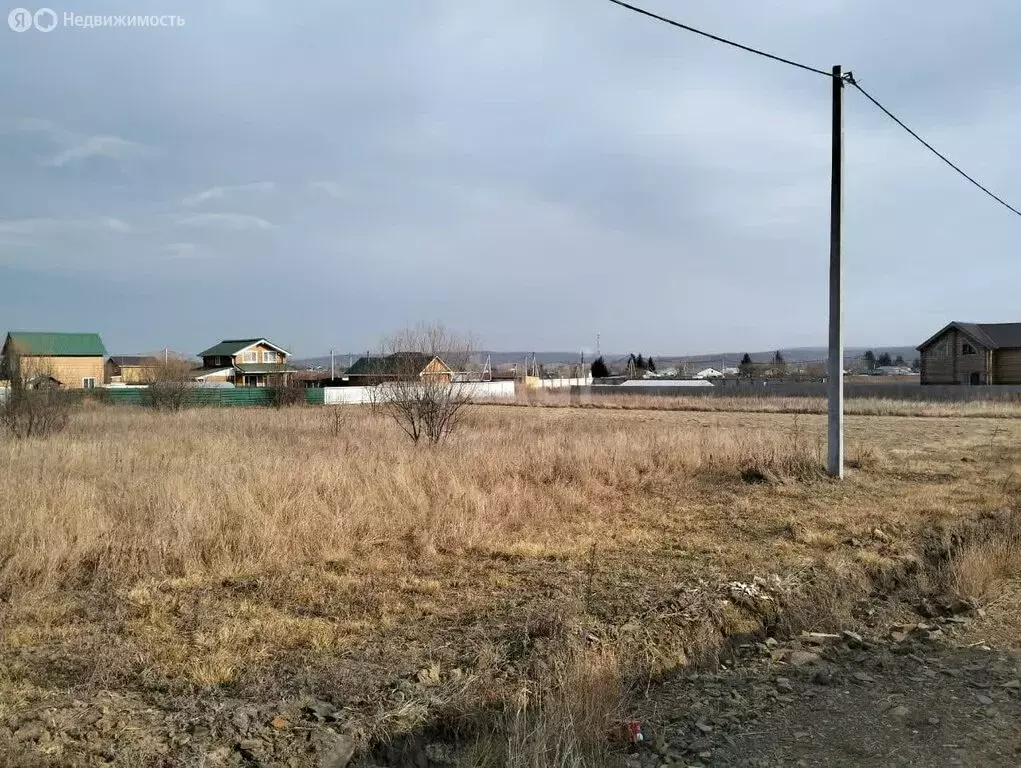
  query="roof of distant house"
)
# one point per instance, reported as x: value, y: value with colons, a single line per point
x: 708, y: 372
x: 57, y: 344
x: 233, y: 346
x: 391, y: 365
x: 132, y: 361
x: 988, y: 335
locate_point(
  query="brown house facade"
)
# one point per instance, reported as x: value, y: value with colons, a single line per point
x: 130, y: 369
x: 67, y: 360
x: 972, y: 353
x: 245, y: 363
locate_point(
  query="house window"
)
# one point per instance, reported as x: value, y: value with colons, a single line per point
x: 269, y: 356
x: 967, y: 349
x: 89, y: 382
x: 250, y: 356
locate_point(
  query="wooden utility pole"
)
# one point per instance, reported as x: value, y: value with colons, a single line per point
x: 835, y: 380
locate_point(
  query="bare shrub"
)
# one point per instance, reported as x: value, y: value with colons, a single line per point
x: 337, y: 419
x: 172, y: 382
x: 981, y: 568
x: 33, y: 404
x: 425, y: 387
x: 287, y: 391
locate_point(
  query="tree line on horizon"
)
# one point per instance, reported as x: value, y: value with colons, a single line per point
x: 777, y: 367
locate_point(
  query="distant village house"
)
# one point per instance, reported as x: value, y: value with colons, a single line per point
x: 972, y: 353
x: 400, y: 366
x: 66, y: 360
x: 245, y: 363
x: 708, y: 373
x: 130, y: 369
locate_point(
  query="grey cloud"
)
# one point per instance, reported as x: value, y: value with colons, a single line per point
x: 219, y: 193
x: 535, y: 172
x: 333, y: 189
x: 111, y: 147
x: 79, y: 147
x: 116, y: 225
x: 29, y: 227
x: 230, y: 221
x: 187, y: 251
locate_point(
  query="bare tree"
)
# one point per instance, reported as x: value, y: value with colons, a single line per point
x: 286, y: 388
x: 33, y: 404
x: 426, y: 381
x: 171, y: 381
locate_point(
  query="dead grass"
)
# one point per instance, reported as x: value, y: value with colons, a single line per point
x: 982, y: 569
x: 564, y: 716
x: 770, y: 404
x: 539, y: 560
x: 130, y: 495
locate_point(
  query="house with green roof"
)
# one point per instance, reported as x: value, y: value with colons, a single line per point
x: 255, y: 362
x: 399, y: 366
x: 68, y: 360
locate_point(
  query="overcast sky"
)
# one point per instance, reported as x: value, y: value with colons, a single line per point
x: 533, y: 171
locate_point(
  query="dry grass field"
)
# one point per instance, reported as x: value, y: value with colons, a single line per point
x: 868, y: 406
x: 202, y: 560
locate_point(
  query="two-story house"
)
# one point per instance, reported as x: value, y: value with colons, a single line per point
x: 245, y: 363
x: 972, y: 353
x: 68, y: 360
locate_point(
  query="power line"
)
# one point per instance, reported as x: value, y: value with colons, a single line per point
x: 928, y: 146
x: 849, y: 78
x: 718, y: 39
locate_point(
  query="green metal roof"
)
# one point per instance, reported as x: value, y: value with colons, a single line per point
x: 397, y: 364
x: 229, y: 347
x: 57, y: 344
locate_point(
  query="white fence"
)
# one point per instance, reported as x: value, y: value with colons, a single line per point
x: 480, y: 390
x: 534, y: 382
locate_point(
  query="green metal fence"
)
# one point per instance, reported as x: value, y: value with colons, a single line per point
x: 215, y: 397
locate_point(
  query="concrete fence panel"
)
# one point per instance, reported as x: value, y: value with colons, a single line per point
x: 479, y: 390
x: 535, y: 382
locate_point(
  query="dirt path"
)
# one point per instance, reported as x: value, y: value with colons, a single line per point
x: 907, y: 696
